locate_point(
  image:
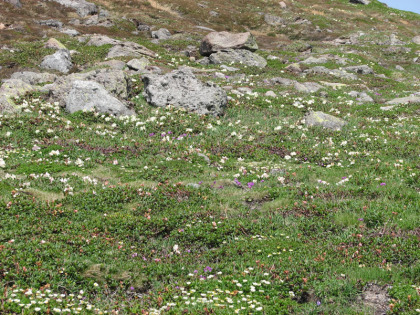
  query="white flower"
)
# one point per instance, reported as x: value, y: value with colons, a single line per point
x: 287, y: 157
x: 54, y: 152
x: 277, y: 128
x: 2, y: 163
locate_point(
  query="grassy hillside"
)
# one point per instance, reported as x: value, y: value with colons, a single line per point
x: 253, y: 212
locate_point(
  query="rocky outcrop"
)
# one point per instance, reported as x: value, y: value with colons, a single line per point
x: 115, y: 82
x: 59, y: 61
x: 361, y: 97
x: 11, y: 89
x: 86, y: 95
x: 138, y: 64
x: 182, y: 89
x: 34, y: 78
x: 240, y: 56
x: 324, y: 120
x: 82, y: 7
x: 414, y: 98
x: 363, y: 69
x: 129, y: 49
x: 162, y: 33
x: 217, y: 41
x: 334, y: 72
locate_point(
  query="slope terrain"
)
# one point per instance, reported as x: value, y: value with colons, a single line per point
x: 142, y: 172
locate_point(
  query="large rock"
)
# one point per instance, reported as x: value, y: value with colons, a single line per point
x: 363, y: 69
x: 115, y: 82
x: 82, y: 7
x: 334, y: 72
x: 324, y: 120
x: 138, y: 64
x: 51, y: 23
x: 99, y: 40
x: 162, y: 33
x: 60, y: 61
x: 405, y: 100
x: 416, y: 39
x: 307, y: 87
x: 241, y: 56
x: 217, y: 41
x: 34, y: 78
x: 182, y: 89
x: 54, y: 44
x: 86, y: 95
x: 10, y: 89
x: 129, y: 49
x: 361, y: 97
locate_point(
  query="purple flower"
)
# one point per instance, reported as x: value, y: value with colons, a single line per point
x: 151, y: 134
x: 250, y: 184
x: 360, y: 219
x: 208, y: 269
x: 382, y: 184
x: 195, y: 271
x: 200, y: 182
x: 132, y: 288
x: 344, y: 177
x: 318, y: 303
x: 134, y: 255
x: 237, y: 182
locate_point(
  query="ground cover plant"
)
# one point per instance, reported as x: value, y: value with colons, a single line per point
x: 252, y: 212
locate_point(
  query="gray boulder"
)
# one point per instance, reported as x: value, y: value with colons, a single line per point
x: 138, y: 64
x: 405, y: 100
x: 365, y: 2
x: 10, y: 89
x: 51, y: 23
x: 363, y: 69
x: 324, y: 120
x: 129, y: 49
x: 69, y: 31
x: 113, y: 64
x: 60, y: 61
x: 307, y: 87
x: 162, y: 33
x: 82, y: 7
x: 280, y: 81
x: 99, y: 40
x: 86, y: 95
x: 217, y: 41
x: 416, y: 39
x: 34, y: 78
x: 361, y: 97
x: 241, y: 56
x: 115, y: 82
x: 180, y: 88
x: 334, y: 72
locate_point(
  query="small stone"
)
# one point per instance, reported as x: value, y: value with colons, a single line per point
x: 270, y: 94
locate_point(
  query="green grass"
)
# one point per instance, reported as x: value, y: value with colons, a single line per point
x: 125, y: 214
